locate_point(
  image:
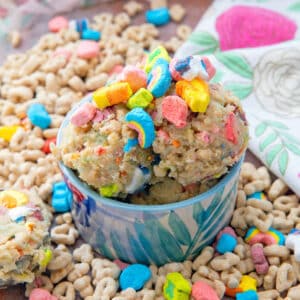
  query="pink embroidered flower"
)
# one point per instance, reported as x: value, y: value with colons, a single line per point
x: 3, y: 12
x: 246, y: 26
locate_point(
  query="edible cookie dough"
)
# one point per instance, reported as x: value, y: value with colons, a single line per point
x: 24, y: 237
x: 153, y: 129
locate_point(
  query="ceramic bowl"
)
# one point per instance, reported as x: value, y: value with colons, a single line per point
x: 150, y: 234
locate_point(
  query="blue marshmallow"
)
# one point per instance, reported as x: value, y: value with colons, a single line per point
x: 131, y: 143
x: 159, y: 79
x: 158, y: 17
x: 248, y: 295
x: 38, y: 115
x: 90, y: 34
x: 226, y: 243
x: 134, y: 276
x: 61, y: 197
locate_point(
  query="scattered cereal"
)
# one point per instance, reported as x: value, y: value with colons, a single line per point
x: 53, y: 75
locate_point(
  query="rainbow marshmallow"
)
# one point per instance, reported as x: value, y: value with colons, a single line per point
x: 159, y: 79
x: 140, y: 121
x: 272, y: 236
x: 257, y: 195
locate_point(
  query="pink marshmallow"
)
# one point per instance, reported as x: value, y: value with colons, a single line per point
x: 175, y: 110
x: 41, y: 294
x: 58, y: 23
x: 87, y: 49
x: 259, y: 259
x: 136, y: 77
x: 63, y: 52
x: 84, y: 114
x: 202, y: 291
x: 210, y: 69
x: 102, y: 114
x: 230, y: 128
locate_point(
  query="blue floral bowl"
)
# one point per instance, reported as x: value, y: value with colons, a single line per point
x: 150, y: 234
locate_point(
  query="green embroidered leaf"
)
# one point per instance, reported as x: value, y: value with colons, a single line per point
x: 295, y: 7
x: 272, y: 154
x: 235, y: 63
x: 293, y: 148
x: 283, y: 160
x: 267, y: 141
x: 290, y: 138
x: 204, y: 39
x: 240, y: 90
x: 218, y: 77
x: 179, y: 229
x: 260, y: 129
x: 277, y: 125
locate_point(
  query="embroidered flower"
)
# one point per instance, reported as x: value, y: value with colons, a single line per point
x: 276, y: 82
x: 246, y: 26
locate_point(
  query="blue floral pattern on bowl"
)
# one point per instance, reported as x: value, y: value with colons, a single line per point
x: 151, y: 234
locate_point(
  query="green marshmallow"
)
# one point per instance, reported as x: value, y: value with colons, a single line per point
x: 142, y: 98
x: 108, y: 190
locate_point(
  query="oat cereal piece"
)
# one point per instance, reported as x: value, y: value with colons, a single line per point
x: 294, y: 292
x: 58, y: 275
x: 285, y: 277
x: 64, y: 291
x: 268, y: 295
x: 231, y: 278
x: 204, y: 258
x: 64, y: 234
x: 154, y: 4
x: 270, y: 278
x: 79, y: 270
x: 83, y: 286
x: 277, y: 189
x: 183, y: 32
x: 225, y: 261
x: 173, y: 44
x: 60, y: 260
x: 83, y: 254
x: 133, y: 8
x: 286, y: 203
x: 15, y: 38
x: 106, y: 288
x: 177, y: 12
x: 245, y: 266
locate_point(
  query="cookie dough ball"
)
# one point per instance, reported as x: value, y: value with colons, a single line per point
x: 207, y: 146
x: 96, y: 152
x: 24, y: 236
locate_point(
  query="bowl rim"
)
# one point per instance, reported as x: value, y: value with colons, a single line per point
x: 83, y: 187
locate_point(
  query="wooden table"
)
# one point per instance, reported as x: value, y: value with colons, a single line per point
x: 195, y: 9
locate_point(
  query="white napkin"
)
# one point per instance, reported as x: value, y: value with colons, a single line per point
x: 263, y: 70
